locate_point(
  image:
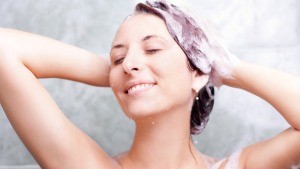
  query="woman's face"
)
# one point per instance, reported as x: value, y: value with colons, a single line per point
x: 149, y: 71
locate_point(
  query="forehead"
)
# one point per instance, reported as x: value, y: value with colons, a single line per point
x: 139, y: 26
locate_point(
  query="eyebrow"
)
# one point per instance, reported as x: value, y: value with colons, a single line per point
x: 117, y: 46
x: 148, y: 37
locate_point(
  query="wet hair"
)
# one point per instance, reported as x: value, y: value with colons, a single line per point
x: 194, y: 42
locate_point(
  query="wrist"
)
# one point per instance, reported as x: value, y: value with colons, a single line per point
x: 234, y: 80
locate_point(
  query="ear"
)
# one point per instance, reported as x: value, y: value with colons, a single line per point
x: 199, y: 80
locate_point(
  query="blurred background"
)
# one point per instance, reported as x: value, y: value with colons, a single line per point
x: 265, y: 32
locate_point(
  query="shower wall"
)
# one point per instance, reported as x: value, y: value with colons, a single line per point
x: 265, y: 32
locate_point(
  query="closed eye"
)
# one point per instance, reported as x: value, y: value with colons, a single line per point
x: 118, y: 61
x: 152, y: 51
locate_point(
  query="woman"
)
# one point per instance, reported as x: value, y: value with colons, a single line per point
x: 159, y: 75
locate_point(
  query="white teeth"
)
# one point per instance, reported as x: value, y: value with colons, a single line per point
x: 139, y: 87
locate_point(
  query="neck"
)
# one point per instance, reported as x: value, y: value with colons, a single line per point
x: 164, y: 141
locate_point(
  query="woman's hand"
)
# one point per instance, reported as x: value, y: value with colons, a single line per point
x: 223, y: 65
x: 221, y: 60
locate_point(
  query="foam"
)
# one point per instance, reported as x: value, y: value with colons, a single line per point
x: 197, y: 38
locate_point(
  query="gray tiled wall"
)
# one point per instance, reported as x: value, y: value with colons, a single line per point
x: 265, y: 32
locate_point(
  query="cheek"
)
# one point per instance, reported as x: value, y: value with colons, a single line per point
x: 116, y: 85
x: 114, y: 80
x: 175, y: 77
x: 175, y: 68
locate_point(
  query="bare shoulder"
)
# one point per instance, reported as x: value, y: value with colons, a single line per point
x: 280, y: 152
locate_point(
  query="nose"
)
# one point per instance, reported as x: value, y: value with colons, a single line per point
x: 133, y: 62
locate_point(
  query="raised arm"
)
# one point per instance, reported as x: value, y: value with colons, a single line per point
x: 282, y: 91
x: 50, y: 137
x: 46, y: 57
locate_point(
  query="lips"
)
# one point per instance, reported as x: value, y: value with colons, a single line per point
x: 138, y: 86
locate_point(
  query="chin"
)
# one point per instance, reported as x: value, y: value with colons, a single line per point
x: 142, y: 111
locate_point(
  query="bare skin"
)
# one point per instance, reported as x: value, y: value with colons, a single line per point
x: 144, y: 43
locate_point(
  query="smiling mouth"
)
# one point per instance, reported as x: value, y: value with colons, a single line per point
x: 140, y: 88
